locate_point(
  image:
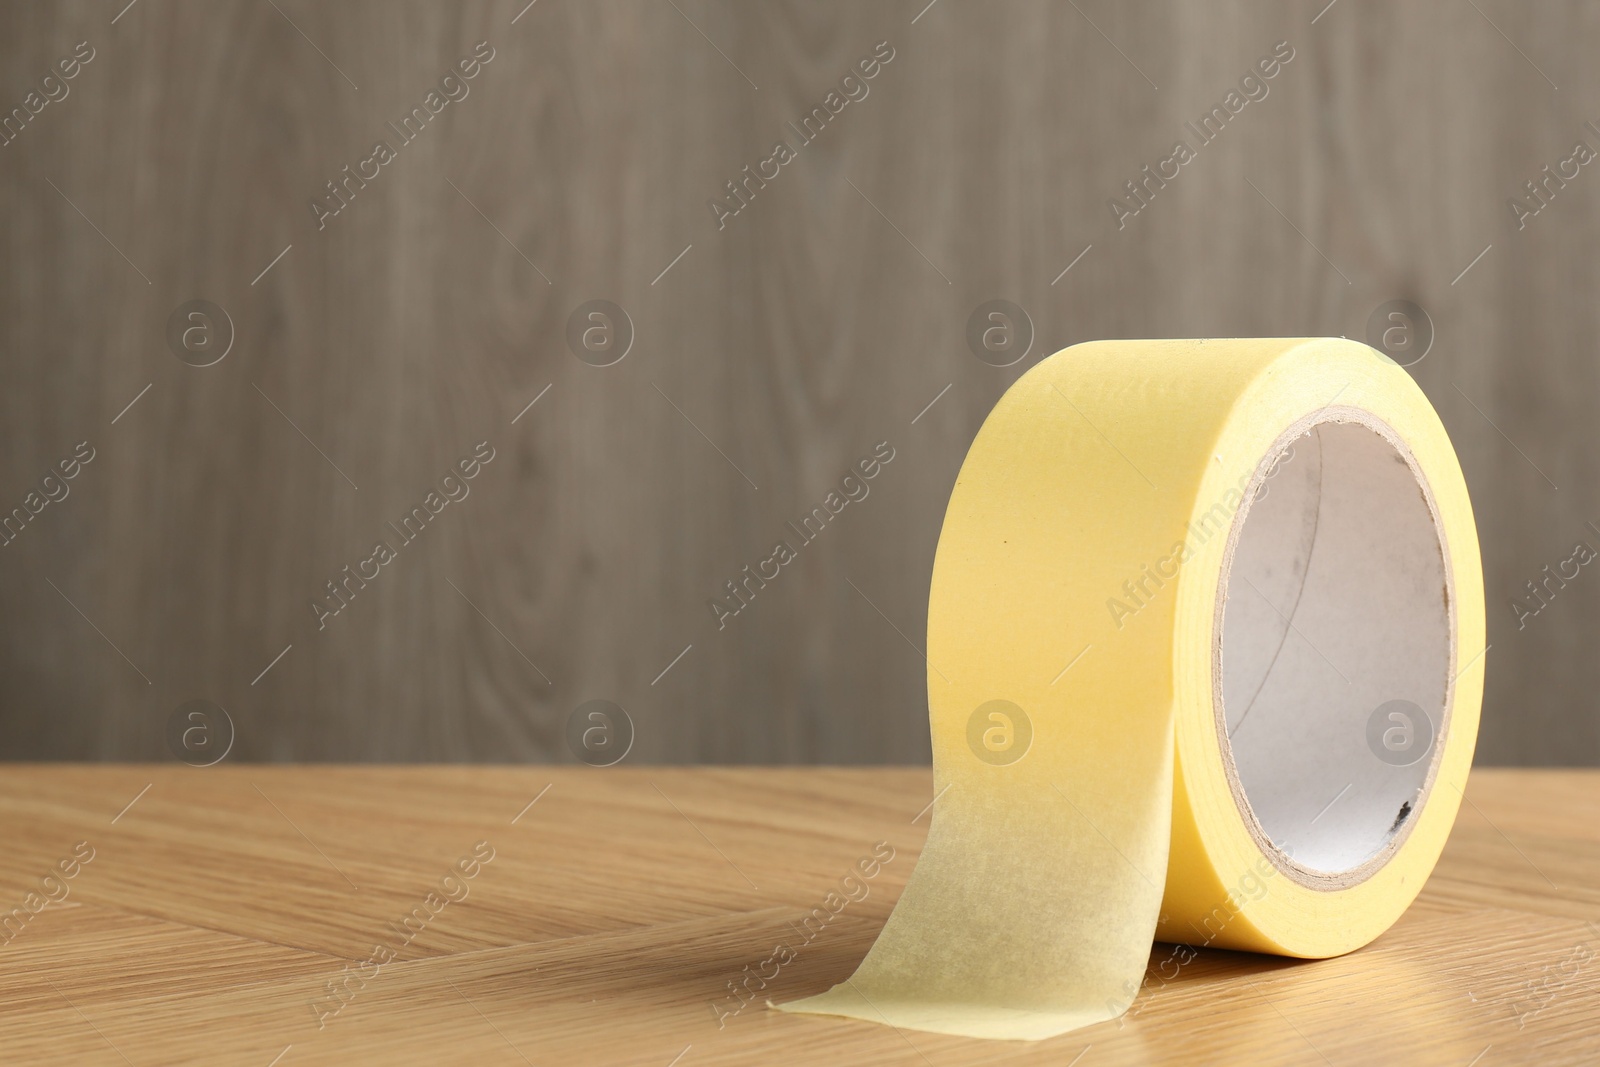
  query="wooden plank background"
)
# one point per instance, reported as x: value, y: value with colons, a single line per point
x: 771, y: 356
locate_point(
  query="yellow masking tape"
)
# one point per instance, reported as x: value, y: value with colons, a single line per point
x: 1205, y: 639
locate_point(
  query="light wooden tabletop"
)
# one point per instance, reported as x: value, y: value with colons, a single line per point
x: 258, y: 916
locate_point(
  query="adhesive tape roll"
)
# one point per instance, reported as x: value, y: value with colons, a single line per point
x: 1205, y: 642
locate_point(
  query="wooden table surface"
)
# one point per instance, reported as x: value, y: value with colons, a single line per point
x: 248, y: 915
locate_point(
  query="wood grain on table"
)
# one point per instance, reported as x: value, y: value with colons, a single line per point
x: 248, y: 915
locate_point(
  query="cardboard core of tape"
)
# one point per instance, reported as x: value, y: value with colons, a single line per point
x: 1334, y: 608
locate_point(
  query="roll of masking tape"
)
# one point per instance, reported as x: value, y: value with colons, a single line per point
x: 1205, y: 653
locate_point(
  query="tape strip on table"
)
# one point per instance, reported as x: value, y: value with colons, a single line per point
x: 1205, y: 638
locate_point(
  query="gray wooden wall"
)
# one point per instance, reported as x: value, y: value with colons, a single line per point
x: 767, y: 355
